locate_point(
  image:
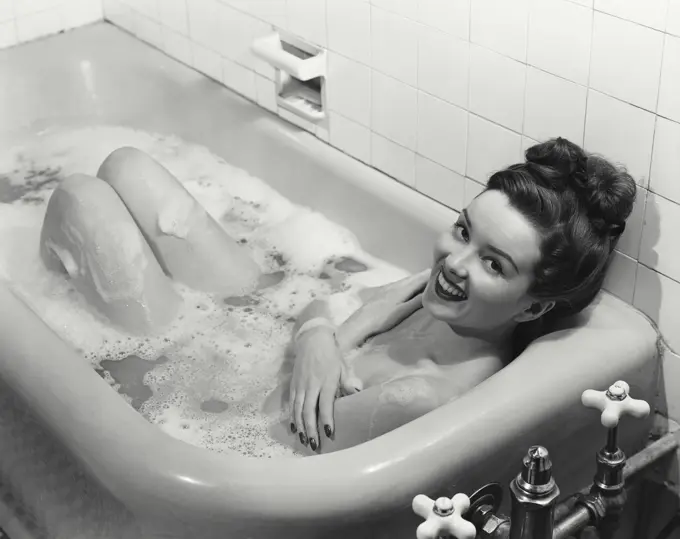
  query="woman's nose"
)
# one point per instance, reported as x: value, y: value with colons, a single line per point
x: 456, y: 263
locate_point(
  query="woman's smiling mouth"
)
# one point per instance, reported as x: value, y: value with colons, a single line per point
x: 448, y: 290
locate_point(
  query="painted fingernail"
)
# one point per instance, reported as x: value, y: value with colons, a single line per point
x: 312, y: 443
x: 303, y: 438
x: 293, y: 428
x: 327, y: 430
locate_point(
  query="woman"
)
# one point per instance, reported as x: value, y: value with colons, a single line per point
x: 533, y: 247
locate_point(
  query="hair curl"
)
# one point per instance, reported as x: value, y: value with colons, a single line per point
x: 579, y: 203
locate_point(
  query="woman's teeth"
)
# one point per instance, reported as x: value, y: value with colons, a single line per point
x: 448, y: 290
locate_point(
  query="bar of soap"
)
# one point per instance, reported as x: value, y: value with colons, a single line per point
x: 188, y: 243
x: 90, y: 235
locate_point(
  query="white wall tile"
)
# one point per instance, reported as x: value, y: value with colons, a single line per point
x: 559, y: 38
x: 629, y: 243
x: 500, y: 25
x: 472, y: 190
x: 440, y: 183
x: 659, y: 298
x: 554, y: 107
x: 620, y: 279
x: 149, y: 30
x: 442, y: 132
x: 497, y: 86
x: 6, y: 10
x: 38, y: 25
x: 490, y: 148
x: 350, y: 137
x: 659, y: 247
x: 203, y: 27
x: 239, y: 78
x: 148, y: 8
x: 669, y: 93
x: 394, y: 108
x: 349, y: 28
x: 8, y: 34
x: 405, y: 8
x: 77, y: 13
x: 297, y: 121
x: 177, y: 46
x: 394, y: 160
x: 670, y: 391
x: 451, y: 16
x: 586, y: 3
x: 207, y: 61
x: 620, y: 132
x: 665, y: 176
x: 626, y: 60
x: 394, y: 46
x: 443, y: 66
x: 266, y: 93
x: 349, y: 88
x: 236, y: 33
x: 174, y: 14
x: 270, y: 11
x: 649, y: 12
x: 673, y: 17
x: 307, y: 19
x: 29, y: 7
x: 120, y: 14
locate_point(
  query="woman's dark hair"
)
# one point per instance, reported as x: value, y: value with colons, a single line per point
x: 579, y: 203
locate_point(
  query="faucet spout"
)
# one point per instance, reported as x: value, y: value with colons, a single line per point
x: 534, y: 496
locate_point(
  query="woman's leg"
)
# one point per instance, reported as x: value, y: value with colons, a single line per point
x: 189, y: 244
x: 89, y: 234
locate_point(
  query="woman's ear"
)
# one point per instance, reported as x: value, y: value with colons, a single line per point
x: 534, y: 311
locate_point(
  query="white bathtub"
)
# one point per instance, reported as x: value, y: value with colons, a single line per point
x: 76, y: 461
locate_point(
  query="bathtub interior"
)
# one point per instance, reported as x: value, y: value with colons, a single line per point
x: 85, y: 71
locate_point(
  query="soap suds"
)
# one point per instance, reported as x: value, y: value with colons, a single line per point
x: 210, y: 370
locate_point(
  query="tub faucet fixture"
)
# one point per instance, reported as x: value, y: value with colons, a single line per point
x: 535, y: 513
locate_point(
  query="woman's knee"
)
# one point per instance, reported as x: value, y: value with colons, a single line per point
x: 124, y: 161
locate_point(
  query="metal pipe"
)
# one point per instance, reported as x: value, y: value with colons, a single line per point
x: 634, y: 465
x: 572, y: 524
x: 612, y: 444
x: 650, y: 454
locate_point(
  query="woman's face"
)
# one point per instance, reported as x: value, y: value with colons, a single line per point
x: 484, y: 267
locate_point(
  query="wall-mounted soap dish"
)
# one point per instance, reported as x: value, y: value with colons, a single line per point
x: 300, y: 74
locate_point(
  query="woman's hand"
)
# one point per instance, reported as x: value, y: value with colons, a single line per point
x: 318, y: 374
x: 387, y: 307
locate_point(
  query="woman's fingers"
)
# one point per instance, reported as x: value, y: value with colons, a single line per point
x: 291, y: 409
x: 297, y: 411
x: 326, y: 401
x: 349, y: 383
x: 415, y: 284
x: 310, y: 419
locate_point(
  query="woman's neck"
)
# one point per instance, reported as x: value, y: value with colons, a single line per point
x: 500, y: 337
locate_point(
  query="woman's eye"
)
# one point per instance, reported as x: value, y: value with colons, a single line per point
x: 461, y: 232
x: 493, y: 265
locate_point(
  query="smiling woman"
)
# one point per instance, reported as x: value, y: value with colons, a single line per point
x: 530, y: 249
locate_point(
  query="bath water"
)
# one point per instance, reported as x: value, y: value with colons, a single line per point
x: 204, y: 378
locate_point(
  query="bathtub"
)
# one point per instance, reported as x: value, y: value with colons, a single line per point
x: 76, y: 461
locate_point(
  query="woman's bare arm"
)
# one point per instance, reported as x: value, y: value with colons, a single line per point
x: 375, y: 411
x: 379, y: 409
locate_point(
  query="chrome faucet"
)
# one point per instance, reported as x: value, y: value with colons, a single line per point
x: 534, y: 493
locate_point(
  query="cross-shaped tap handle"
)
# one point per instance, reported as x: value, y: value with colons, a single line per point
x: 443, y: 517
x: 615, y: 403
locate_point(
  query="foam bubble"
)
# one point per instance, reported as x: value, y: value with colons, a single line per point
x: 226, y: 350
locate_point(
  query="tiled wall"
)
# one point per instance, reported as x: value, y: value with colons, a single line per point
x: 439, y: 93
x: 26, y: 20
